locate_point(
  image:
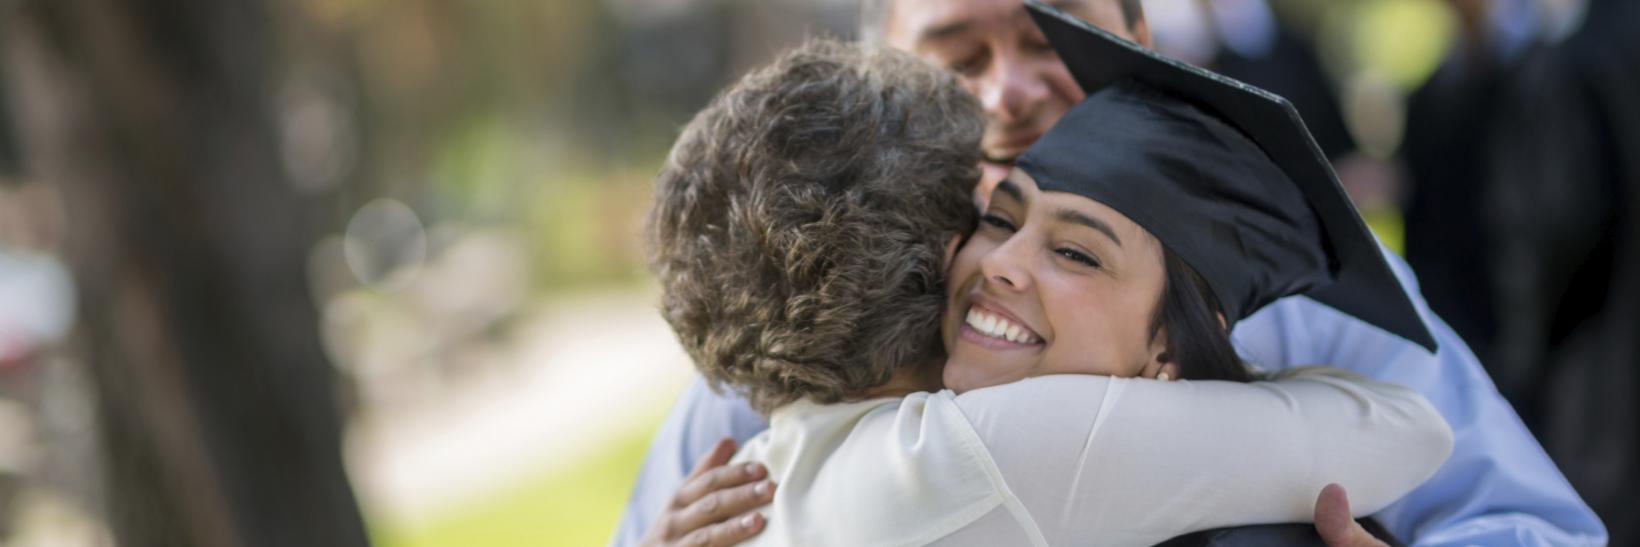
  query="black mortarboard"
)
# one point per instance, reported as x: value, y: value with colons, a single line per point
x: 1222, y: 173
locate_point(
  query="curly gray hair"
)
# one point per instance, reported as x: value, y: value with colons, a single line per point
x: 799, y: 225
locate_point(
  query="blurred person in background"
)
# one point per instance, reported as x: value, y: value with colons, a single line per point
x: 1559, y: 211
x: 1255, y: 42
x: 1249, y: 41
x: 1499, y: 488
x: 1444, y: 153
x: 1523, y: 150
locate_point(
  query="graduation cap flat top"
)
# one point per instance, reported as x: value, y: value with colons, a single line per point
x: 1225, y: 174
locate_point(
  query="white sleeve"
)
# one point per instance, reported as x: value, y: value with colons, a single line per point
x: 1134, y: 461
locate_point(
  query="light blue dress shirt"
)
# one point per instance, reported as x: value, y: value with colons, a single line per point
x: 1498, y: 487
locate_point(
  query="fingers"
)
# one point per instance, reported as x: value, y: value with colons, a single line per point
x: 726, y: 533
x: 1332, y: 513
x: 720, y: 506
x: 1334, y: 523
x: 718, y: 478
x: 713, y: 492
x: 716, y: 457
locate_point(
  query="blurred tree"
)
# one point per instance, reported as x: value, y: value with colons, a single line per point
x: 188, y: 246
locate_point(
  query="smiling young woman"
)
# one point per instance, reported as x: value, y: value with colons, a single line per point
x: 1043, y: 264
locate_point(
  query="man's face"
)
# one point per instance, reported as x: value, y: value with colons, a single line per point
x: 1003, y: 59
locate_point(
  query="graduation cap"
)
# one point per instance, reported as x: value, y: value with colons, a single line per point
x: 1223, y: 173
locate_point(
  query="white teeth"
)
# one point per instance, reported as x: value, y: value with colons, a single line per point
x: 997, y: 327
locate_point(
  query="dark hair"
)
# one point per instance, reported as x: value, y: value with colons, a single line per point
x: 874, y: 14
x: 799, y: 226
x: 1196, y: 340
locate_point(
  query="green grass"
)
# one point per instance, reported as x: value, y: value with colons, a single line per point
x: 578, y: 506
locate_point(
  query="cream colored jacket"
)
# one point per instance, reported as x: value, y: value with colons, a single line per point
x: 1090, y: 460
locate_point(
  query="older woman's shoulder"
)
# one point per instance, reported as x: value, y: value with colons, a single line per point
x: 892, y: 471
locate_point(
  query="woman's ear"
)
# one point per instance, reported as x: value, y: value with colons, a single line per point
x: 955, y: 243
x: 1158, y: 347
x: 1160, y: 365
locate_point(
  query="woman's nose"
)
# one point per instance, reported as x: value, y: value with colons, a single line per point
x: 1006, y: 267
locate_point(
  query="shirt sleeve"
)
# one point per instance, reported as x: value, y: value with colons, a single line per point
x: 1498, y: 488
x: 698, y: 419
x: 1134, y: 462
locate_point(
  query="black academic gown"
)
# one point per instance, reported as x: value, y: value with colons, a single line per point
x: 1269, y: 535
x: 1563, y: 204
x: 1445, y: 154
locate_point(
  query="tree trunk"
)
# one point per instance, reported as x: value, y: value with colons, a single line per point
x: 188, y: 246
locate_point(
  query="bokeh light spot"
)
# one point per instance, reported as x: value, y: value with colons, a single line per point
x: 385, y: 245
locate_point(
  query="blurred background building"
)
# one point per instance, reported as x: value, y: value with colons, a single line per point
x: 318, y: 271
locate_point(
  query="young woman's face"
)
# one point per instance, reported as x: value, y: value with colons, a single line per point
x: 1051, y: 283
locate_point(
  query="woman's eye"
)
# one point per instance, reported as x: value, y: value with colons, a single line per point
x: 997, y: 221
x: 1078, y: 256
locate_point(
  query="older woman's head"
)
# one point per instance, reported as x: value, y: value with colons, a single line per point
x: 800, y: 224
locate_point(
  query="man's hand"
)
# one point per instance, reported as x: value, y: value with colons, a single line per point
x: 1334, y: 523
x: 707, y: 509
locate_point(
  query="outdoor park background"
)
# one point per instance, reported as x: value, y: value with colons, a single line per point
x: 457, y: 191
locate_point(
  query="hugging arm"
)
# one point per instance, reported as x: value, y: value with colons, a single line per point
x: 713, y: 507
x: 1139, y: 461
x: 689, y: 436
